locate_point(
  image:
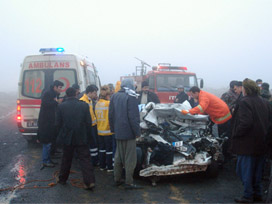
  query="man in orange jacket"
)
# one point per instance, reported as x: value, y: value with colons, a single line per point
x: 210, y: 104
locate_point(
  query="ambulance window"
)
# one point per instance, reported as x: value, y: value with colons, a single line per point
x: 67, y: 77
x: 91, y: 77
x: 33, y: 83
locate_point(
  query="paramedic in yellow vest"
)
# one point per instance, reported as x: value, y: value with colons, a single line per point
x: 103, y: 129
x: 88, y: 97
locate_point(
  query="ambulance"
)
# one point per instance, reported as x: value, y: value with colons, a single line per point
x: 37, y: 74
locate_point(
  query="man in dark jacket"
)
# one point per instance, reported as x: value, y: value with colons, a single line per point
x: 182, y: 96
x: 230, y: 96
x: 124, y: 121
x: 147, y: 96
x: 251, y: 123
x: 265, y: 93
x: 47, y: 131
x: 73, y: 119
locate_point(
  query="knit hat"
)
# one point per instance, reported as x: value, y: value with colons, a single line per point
x: 265, y: 86
x: 144, y: 83
x: 251, y: 88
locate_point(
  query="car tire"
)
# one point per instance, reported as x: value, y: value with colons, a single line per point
x: 212, y: 170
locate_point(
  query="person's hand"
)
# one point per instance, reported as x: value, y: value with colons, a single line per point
x: 38, y: 141
x: 60, y: 100
x: 184, y: 112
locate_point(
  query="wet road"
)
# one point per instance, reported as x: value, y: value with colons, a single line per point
x: 20, y: 163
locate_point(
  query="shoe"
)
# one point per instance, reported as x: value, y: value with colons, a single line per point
x: 55, y: 156
x: 118, y: 183
x: 102, y: 169
x: 132, y: 187
x: 258, y: 199
x: 89, y: 187
x: 60, y: 182
x: 52, y: 162
x: 110, y: 170
x: 243, y: 200
x: 48, y: 165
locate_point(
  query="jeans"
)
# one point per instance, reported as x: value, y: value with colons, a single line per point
x: 46, y: 153
x: 249, y: 169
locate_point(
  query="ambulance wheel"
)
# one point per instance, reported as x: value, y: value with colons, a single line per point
x: 212, y: 170
x: 31, y: 141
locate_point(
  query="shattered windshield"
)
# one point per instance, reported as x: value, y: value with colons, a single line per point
x: 169, y: 82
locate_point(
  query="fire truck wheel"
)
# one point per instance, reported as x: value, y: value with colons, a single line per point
x: 212, y: 170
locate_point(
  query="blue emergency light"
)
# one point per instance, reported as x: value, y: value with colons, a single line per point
x: 59, y: 49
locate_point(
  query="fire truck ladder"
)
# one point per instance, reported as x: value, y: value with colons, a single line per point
x: 141, y: 70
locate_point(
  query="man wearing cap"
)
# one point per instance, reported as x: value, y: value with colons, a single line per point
x: 259, y: 82
x: 182, y: 96
x: 147, y: 96
x: 250, y: 136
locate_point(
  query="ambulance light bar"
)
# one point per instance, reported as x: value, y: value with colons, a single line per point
x: 59, y: 49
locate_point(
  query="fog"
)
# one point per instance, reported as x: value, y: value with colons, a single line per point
x: 219, y: 40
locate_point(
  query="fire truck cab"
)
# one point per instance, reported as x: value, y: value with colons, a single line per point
x: 37, y: 74
x: 164, y: 80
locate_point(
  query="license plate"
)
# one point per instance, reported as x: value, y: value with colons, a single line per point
x: 179, y: 146
x: 32, y: 123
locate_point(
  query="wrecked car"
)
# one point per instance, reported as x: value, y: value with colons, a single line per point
x: 172, y: 143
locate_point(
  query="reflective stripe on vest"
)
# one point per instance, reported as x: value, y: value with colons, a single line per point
x: 223, y: 118
x: 200, y: 108
x: 94, y: 122
x: 103, y: 131
x: 102, y: 108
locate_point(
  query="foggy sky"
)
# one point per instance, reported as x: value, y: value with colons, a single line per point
x: 219, y: 40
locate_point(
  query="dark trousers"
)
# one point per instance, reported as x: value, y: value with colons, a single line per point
x: 93, y: 141
x: 94, y: 146
x: 249, y: 169
x: 83, y: 155
x: 113, y: 147
x: 105, y: 151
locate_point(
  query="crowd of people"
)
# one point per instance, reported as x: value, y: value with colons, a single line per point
x: 102, y: 130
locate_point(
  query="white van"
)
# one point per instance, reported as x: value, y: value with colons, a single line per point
x: 38, y: 73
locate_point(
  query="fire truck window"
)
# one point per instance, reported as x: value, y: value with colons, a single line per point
x: 192, y: 81
x: 33, y: 83
x: 151, y: 82
x: 169, y: 83
x: 67, y: 77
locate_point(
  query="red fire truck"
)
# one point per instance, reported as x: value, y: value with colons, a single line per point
x: 164, y: 79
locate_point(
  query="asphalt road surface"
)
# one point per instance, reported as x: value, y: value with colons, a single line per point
x: 20, y: 163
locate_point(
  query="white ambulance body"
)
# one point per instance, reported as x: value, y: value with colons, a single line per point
x: 38, y: 73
